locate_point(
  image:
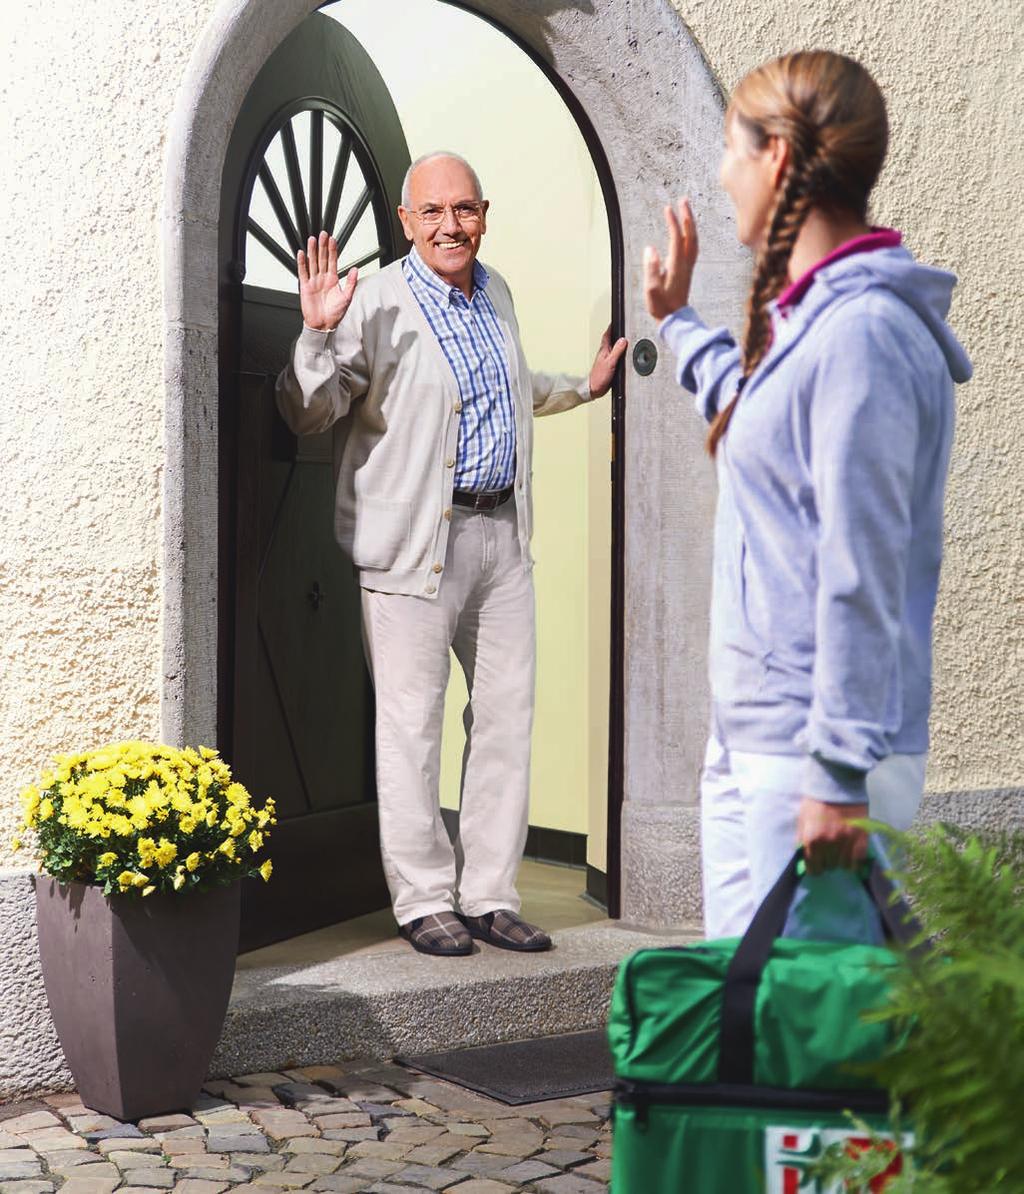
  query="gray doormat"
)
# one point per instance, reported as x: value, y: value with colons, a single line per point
x: 550, y: 1067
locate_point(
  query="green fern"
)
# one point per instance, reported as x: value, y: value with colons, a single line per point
x: 960, y: 1070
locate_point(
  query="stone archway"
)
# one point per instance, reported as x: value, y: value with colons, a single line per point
x: 615, y: 60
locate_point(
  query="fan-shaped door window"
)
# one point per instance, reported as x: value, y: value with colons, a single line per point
x: 314, y: 173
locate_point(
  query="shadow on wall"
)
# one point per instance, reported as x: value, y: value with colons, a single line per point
x: 536, y: 20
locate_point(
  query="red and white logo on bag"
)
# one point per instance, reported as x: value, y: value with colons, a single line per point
x: 791, y: 1152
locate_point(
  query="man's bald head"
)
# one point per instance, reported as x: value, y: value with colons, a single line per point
x: 433, y: 157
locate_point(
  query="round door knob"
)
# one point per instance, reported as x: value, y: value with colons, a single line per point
x: 645, y: 357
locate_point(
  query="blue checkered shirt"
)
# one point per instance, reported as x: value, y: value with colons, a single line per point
x: 474, y: 346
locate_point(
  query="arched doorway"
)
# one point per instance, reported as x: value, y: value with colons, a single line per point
x: 617, y: 65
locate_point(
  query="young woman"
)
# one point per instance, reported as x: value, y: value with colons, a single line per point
x: 830, y: 426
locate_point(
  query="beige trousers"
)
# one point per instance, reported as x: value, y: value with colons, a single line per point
x: 484, y: 611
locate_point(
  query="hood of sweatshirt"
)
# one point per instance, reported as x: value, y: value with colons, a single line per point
x: 926, y: 290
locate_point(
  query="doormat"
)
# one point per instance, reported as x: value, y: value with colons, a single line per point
x: 549, y: 1067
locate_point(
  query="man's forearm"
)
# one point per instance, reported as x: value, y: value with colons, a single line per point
x: 555, y: 392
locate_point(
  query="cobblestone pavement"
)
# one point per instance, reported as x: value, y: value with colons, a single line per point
x: 374, y: 1127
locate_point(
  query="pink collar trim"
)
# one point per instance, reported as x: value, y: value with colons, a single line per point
x: 877, y: 238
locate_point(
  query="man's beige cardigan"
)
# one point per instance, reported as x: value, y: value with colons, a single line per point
x: 383, y: 372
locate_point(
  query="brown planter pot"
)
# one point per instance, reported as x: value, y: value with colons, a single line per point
x: 138, y: 989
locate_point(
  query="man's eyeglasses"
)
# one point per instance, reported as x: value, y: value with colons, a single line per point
x: 465, y: 213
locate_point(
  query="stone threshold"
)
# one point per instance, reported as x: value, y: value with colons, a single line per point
x: 377, y: 1005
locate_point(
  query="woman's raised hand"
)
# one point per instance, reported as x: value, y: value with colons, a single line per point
x: 324, y: 300
x: 667, y: 287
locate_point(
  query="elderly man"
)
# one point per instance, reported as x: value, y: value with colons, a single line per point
x: 424, y: 362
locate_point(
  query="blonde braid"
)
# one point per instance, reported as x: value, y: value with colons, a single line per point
x: 795, y: 200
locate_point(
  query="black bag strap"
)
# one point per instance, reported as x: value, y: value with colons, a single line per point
x: 743, y: 977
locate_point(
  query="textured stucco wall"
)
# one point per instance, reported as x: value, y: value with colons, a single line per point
x: 30, y: 1055
x: 86, y: 103
x: 953, y: 76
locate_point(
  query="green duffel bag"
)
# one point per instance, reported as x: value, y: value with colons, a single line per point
x: 737, y: 1060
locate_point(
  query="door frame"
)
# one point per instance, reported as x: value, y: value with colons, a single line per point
x: 664, y: 142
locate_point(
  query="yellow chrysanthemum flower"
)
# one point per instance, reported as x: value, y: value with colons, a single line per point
x: 266, y: 870
x: 76, y: 817
x: 178, y: 881
x: 255, y: 840
x: 236, y: 794
x: 227, y: 847
x: 148, y: 890
x: 107, y: 859
x: 128, y: 879
x: 155, y: 797
x: 181, y: 802
x: 45, y: 809
x: 166, y: 852
x: 193, y: 861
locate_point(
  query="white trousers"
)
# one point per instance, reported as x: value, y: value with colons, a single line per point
x: 484, y: 611
x: 749, y: 807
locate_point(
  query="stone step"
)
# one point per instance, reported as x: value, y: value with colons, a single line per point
x: 378, y: 1005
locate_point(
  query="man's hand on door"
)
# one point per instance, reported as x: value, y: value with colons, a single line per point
x: 324, y: 299
x: 603, y: 369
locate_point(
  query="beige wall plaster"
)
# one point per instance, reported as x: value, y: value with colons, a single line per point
x: 86, y: 105
x: 953, y: 75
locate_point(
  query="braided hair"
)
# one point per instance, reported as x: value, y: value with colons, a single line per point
x: 832, y: 115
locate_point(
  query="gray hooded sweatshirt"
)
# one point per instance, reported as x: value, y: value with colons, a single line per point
x: 828, y: 535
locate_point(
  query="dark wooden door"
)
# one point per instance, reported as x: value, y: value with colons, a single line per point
x: 317, y: 144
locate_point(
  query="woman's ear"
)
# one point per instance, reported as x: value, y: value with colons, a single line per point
x: 779, y: 158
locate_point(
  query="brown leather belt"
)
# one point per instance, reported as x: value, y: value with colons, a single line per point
x: 488, y: 500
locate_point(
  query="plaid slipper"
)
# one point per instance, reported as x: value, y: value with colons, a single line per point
x: 441, y: 934
x: 506, y: 930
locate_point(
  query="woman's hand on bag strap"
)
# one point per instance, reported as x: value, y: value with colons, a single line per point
x: 828, y: 837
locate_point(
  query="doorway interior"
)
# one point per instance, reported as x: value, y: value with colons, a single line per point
x: 552, y: 234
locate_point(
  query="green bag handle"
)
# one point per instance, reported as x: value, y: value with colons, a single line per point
x: 739, y: 994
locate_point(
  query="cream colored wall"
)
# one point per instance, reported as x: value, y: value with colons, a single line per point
x: 87, y: 96
x: 953, y: 75
x: 548, y: 235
